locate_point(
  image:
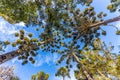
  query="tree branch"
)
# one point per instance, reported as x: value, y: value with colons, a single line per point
x: 10, y: 55
x: 86, y: 73
x: 105, y: 22
x: 102, y: 74
x: 95, y: 25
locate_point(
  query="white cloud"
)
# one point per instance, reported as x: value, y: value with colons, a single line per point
x: 117, y: 49
x: 118, y: 24
x: 55, y: 57
x: 46, y: 59
x: 42, y: 59
x: 21, y: 24
x: 16, y: 60
x: 39, y: 61
x: 57, y: 78
x: 7, y: 30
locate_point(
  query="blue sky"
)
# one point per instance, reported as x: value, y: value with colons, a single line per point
x: 46, y: 61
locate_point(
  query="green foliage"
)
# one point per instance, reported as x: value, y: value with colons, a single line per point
x: 16, y: 34
x: 63, y: 72
x: 93, y: 59
x: 6, y: 42
x: 27, y: 45
x: 23, y: 11
x: 104, y: 33
x: 118, y: 32
x: 14, y: 44
x: 114, y: 6
x: 63, y: 20
x: 3, y: 45
x: 14, y: 78
x: 78, y: 75
x: 40, y: 76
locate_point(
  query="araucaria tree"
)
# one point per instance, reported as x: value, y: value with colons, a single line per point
x: 63, y: 72
x: 7, y: 73
x: 61, y: 20
x: 40, y: 76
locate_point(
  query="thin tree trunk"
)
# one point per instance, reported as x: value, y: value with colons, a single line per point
x: 10, y: 55
x: 103, y: 22
x: 102, y: 75
x: 86, y: 73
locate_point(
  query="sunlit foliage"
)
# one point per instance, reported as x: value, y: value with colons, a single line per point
x: 40, y: 76
x: 114, y: 6
x: 63, y: 72
x: 67, y: 30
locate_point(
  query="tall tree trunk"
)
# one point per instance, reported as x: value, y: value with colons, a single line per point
x: 9, y: 55
x: 86, y: 73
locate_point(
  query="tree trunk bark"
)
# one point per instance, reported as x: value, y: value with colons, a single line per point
x: 101, y: 23
x: 10, y: 55
x: 86, y: 73
x: 105, y: 22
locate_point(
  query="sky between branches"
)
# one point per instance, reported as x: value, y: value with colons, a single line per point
x: 46, y: 61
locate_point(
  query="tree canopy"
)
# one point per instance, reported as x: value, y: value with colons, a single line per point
x: 40, y: 76
x: 68, y: 30
x: 63, y: 72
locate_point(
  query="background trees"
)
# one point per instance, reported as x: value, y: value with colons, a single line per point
x: 61, y: 20
x: 7, y: 73
x: 63, y: 72
x: 40, y: 76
